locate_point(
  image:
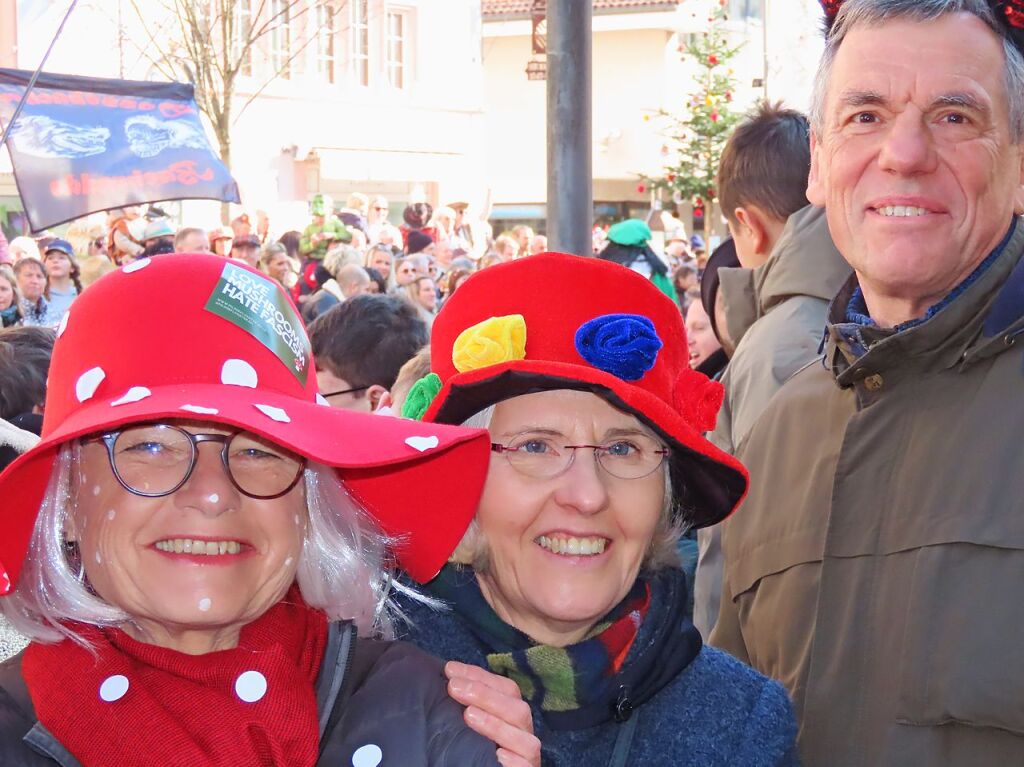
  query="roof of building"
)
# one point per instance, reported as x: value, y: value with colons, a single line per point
x: 521, y: 8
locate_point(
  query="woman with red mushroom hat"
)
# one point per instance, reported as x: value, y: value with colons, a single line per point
x: 567, y: 586
x: 198, y: 545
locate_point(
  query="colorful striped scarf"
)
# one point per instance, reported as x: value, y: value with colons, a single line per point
x: 552, y: 679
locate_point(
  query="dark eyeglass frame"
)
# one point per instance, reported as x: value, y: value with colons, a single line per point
x: 500, y: 449
x: 325, y: 395
x: 109, y: 439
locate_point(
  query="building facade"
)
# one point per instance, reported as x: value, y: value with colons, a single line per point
x: 638, y: 72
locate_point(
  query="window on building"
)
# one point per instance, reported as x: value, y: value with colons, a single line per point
x: 397, y: 32
x: 743, y: 10
x: 359, y: 24
x: 241, y: 31
x: 281, y: 37
x: 325, y: 41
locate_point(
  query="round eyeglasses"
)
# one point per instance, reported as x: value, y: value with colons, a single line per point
x: 540, y: 457
x: 154, y: 460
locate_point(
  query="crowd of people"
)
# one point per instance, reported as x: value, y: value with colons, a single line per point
x: 651, y: 505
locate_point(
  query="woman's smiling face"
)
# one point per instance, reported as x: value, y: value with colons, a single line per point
x: 239, y: 560
x: 538, y: 579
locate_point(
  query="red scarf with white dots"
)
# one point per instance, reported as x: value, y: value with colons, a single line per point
x: 135, y: 705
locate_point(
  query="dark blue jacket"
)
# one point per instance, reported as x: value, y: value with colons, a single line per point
x: 716, y: 712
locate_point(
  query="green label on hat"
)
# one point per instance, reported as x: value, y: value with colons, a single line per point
x: 258, y: 306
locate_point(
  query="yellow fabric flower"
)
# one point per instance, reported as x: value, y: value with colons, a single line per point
x: 491, y: 342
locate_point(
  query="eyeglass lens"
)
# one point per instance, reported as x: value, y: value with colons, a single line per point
x: 156, y: 459
x: 542, y: 457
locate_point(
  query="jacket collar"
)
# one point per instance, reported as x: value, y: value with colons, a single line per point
x: 951, y: 336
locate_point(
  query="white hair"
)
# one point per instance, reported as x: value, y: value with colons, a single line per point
x: 662, y: 552
x: 343, y: 569
x: 855, y: 13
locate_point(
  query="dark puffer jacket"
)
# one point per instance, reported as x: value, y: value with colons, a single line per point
x: 389, y: 694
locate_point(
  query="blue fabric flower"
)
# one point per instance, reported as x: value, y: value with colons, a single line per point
x: 625, y: 345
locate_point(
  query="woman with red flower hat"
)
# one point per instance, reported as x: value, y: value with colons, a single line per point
x: 567, y: 582
x: 197, y: 545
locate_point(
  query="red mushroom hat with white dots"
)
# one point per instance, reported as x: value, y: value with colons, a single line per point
x: 198, y: 337
x: 555, y: 321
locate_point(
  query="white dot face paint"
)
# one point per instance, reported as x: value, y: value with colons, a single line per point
x: 297, y: 520
x: 288, y: 562
x: 214, y: 498
x: 205, y: 604
x: 111, y: 514
x: 95, y: 489
x: 99, y: 559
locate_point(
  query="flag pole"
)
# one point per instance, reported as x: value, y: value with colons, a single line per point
x: 35, y: 75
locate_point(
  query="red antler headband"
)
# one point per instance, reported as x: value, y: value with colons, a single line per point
x: 1009, y: 12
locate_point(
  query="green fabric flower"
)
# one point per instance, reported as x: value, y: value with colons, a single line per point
x: 420, y: 396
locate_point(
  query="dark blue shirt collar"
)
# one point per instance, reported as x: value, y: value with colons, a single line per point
x: 857, y: 309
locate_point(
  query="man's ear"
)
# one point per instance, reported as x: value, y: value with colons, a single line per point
x: 755, y: 222
x: 815, y: 185
x: 376, y: 393
x: 1018, y: 196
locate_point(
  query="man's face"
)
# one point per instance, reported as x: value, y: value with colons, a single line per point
x: 195, y: 242
x: 246, y: 253
x: 915, y: 165
x: 338, y: 392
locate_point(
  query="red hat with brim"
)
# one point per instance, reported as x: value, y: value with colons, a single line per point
x: 555, y: 321
x: 198, y: 337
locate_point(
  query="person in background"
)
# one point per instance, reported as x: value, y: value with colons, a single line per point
x: 350, y: 279
x: 522, y: 234
x: 538, y: 244
x: 122, y: 242
x: 5, y: 254
x: 10, y: 298
x: 706, y: 353
x: 676, y: 250
x: 220, y: 241
x: 506, y: 247
x: 376, y: 218
x: 711, y: 296
x: 405, y: 272
x: 241, y: 226
x: 412, y: 371
x: 418, y: 241
x: 776, y: 301
x: 158, y: 238
x: 382, y: 259
x: 421, y: 293
x: 32, y: 285
x: 62, y: 274
x: 353, y: 215
x: 23, y: 246
x: 24, y: 367
x: 628, y: 246
x: 685, y: 279
x: 191, y: 239
x: 360, y: 346
x: 95, y: 267
x: 274, y: 262
x: 378, y: 285
x: 247, y: 249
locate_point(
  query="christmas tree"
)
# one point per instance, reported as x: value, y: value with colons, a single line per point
x: 699, y: 135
